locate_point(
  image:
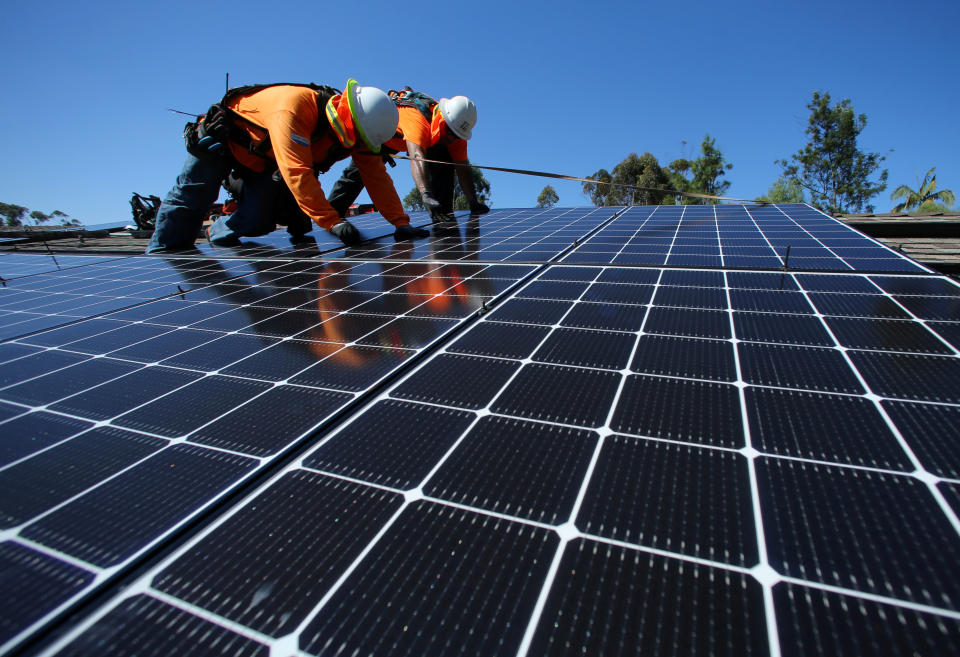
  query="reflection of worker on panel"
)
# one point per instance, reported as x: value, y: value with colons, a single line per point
x: 297, y: 131
x: 433, y: 130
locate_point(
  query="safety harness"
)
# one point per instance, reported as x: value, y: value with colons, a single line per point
x: 407, y: 97
x: 207, y: 137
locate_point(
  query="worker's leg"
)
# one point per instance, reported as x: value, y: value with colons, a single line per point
x: 441, y: 178
x: 255, y: 211
x: 346, y: 190
x: 181, y: 214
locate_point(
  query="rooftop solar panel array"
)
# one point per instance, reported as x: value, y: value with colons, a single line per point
x: 636, y: 431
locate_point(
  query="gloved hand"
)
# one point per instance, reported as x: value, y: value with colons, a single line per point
x: 479, y: 208
x: 433, y: 207
x: 347, y: 233
x: 408, y: 232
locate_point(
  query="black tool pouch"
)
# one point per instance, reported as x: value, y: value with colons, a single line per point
x: 206, y: 138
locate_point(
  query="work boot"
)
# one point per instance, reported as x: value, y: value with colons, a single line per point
x: 408, y: 232
x: 347, y: 233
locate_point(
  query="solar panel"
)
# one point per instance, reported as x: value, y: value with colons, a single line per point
x: 674, y: 446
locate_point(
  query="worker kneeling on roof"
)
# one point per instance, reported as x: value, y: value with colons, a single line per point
x: 432, y: 130
x: 296, y: 131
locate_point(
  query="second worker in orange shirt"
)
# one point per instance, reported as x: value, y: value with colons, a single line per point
x: 432, y: 130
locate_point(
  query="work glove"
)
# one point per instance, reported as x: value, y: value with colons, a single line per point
x: 479, y: 208
x: 408, y: 232
x: 347, y: 233
x: 434, y: 208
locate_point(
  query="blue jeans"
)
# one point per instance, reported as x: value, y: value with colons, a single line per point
x: 184, y: 208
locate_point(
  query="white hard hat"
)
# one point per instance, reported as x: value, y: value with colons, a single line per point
x: 460, y: 114
x: 375, y: 117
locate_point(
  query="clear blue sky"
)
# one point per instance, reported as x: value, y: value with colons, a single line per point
x: 561, y: 86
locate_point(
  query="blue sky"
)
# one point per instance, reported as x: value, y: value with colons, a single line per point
x: 569, y: 87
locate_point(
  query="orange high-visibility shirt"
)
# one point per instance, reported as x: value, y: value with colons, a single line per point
x: 416, y: 129
x: 289, y: 114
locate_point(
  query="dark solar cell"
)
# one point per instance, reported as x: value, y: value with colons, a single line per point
x: 931, y: 432
x: 841, y: 283
x: 785, y: 366
x: 272, y: 568
x: 951, y: 492
x: 464, y: 561
x: 36, y: 364
x: 692, y: 411
x: 517, y: 468
x: 530, y: 311
x: 783, y: 329
x: 33, y: 585
x: 190, y: 407
x: 353, y: 368
x: 11, y: 350
x: 813, y: 621
x: 563, y: 290
x: 888, y: 537
x: 758, y: 281
x: 67, y: 381
x: 949, y: 331
x: 282, y: 360
x: 943, y: 308
x: 272, y: 421
x: 678, y: 498
x: 191, y: 313
x: 110, y: 523
x: 857, y: 305
x: 648, y: 604
x: 910, y: 376
x: 586, y: 348
x: 120, y: 395
x: 692, y: 278
x: 606, y: 316
x: 118, y: 338
x: 502, y: 340
x: 142, y: 625
x: 73, y: 332
x: 885, y: 335
x: 290, y: 323
x: 918, y: 285
x: 689, y: 322
x: 237, y: 319
x: 559, y: 394
x: 409, y: 332
x: 570, y: 274
x: 834, y: 428
x: 35, y: 431
x: 457, y: 381
x: 418, y: 436
x: 772, y: 301
x: 685, y: 357
x: 619, y: 293
x: 624, y: 275
x: 691, y: 297
x: 219, y: 353
x: 57, y: 474
x: 165, y: 345
x: 8, y: 411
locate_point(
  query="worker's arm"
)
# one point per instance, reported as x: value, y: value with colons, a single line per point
x: 417, y: 168
x: 466, y: 184
x: 380, y: 186
x: 290, y: 131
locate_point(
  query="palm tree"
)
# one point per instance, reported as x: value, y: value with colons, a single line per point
x: 926, y: 192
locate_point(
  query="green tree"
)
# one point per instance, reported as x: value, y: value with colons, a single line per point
x: 636, y: 178
x: 548, y: 197
x: 39, y: 217
x: 708, y: 169
x: 12, y: 213
x: 481, y: 186
x: 830, y: 167
x: 925, y: 197
x: 413, y: 201
x: 783, y: 190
